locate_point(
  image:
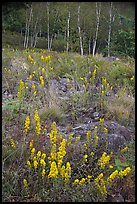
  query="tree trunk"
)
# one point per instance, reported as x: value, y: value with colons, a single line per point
x: 79, y: 30
x: 89, y: 46
x: 110, y: 27
x: 28, y: 27
x: 98, y: 10
x: 68, y: 32
x: 51, y: 39
x: 48, y: 24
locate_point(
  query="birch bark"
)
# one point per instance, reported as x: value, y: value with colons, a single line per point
x: 98, y: 11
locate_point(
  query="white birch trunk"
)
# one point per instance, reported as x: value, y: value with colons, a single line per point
x: 48, y: 24
x: 110, y: 27
x: 51, y: 39
x: 98, y: 11
x: 25, y: 37
x: 79, y: 30
x: 68, y: 32
x: 28, y: 27
x: 89, y: 49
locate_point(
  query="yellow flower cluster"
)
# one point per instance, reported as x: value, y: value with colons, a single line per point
x: 48, y: 59
x: 101, y: 120
x: 25, y: 183
x: 21, y: 90
x: 105, y: 131
x: 42, y: 58
x: 27, y: 125
x: 82, y: 181
x: 12, y: 143
x: 100, y: 184
x: 85, y: 158
x: 29, y: 164
x: 67, y: 172
x: 88, y: 137
x: 31, y: 144
x: 42, y: 80
x: 37, y: 120
x: 124, y: 150
x: 124, y: 172
x: 53, y: 170
x: 35, y: 163
x: 32, y: 152
x: 43, y: 173
x: 132, y: 78
x: 53, y: 133
x: 30, y: 59
x: 33, y: 89
x: 112, y: 176
x: 94, y: 74
x: 43, y: 70
x: 104, y: 160
x: 61, y: 153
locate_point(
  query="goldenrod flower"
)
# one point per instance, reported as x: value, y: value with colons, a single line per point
x: 25, y: 183
x: 76, y: 181
x: 48, y: 58
x: 30, y: 59
x: 124, y: 150
x: 91, y: 154
x: 42, y: 163
x: 53, y: 170
x: 105, y: 131
x: 88, y: 178
x: 31, y: 144
x: 124, y: 172
x: 37, y: 120
x: 104, y: 160
x: 51, y: 68
x: 12, y: 143
x: 82, y: 181
x: 27, y: 124
x: 39, y: 154
x: 88, y: 136
x: 42, y: 58
x: 32, y: 152
x: 111, y: 167
x: 42, y: 80
x: 112, y: 176
x: 101, y: 120
x: 29, y: 164
x: 43, y: 173
x: 102, y: 93
x: 30, y: 77
x: 43, y: 156
x: 21, y: 90
x: 35, y: 163
x: 85, y: 158
x: 132, y: 78
x: 62, y: 171
x: 100, y: 184
x: 43, y: 70
x: 67, y: 172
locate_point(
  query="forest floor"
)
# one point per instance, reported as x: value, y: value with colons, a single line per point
x: 88, y: 101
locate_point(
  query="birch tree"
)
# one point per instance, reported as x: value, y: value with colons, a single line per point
x: 98, y: 11
x: 79, y: 31
x: 68, y: 23
x: 27, y: 30
x: 48, y: 25
x: 111, y: 18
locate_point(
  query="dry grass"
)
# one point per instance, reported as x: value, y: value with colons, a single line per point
x: 121, y: 106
